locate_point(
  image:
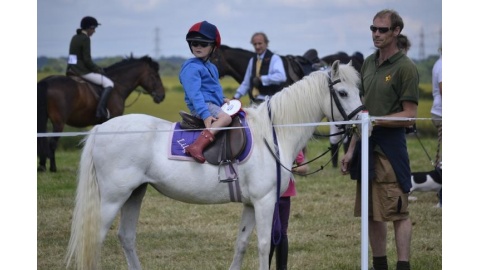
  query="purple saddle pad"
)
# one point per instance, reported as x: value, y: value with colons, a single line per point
x: 181, y: 138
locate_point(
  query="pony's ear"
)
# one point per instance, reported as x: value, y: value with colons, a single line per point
x: 335, y: 69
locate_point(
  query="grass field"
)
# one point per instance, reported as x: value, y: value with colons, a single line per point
x: 323, y: 233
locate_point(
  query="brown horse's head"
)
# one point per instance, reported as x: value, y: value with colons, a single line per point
x: 132, y: 72
x: 151, y: 81
x: 231, y: 61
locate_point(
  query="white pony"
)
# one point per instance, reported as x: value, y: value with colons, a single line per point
x: 124, y: 155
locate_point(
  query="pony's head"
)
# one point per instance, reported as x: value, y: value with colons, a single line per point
x: 344, y: 98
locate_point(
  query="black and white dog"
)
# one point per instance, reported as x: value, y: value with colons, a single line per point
x: 427, y: 181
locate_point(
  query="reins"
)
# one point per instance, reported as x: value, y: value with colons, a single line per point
x: 138, y: 96
x: 423, y: 147
x: 344, y: 133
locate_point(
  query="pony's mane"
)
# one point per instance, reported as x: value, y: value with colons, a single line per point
x: 290, y: 107
x: 132, y: 60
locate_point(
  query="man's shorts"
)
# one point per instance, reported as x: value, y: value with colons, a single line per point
x: 387, y: 202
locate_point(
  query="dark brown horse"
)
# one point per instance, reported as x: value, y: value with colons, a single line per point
x: 234, y: 61
x: 356, y: 58
x: 72, y: 101
x: 231, y: 62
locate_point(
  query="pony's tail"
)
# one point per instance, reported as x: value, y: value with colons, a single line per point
x: 84, y: 246
x: 42, y: 118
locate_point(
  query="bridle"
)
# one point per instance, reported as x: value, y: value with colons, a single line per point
x: 334, y: 98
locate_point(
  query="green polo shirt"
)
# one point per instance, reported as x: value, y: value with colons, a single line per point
x: 385, y: 87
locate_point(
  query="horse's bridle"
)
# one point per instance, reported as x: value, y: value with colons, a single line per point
x: 334, y: 98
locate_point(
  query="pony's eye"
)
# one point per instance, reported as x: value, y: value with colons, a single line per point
x: 343, y: 93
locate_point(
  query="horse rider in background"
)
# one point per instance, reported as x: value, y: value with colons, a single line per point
x: 80, y: 63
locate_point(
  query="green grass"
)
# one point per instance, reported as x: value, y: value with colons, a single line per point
x: 323, y: 233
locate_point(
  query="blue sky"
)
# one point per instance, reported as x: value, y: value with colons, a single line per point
x: 158, y: 27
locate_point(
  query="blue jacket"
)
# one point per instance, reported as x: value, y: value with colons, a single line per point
x: 201, y: 83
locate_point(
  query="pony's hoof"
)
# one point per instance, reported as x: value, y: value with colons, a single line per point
x: 41, y: 169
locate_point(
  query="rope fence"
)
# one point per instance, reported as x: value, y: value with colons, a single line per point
x: 370, y: 119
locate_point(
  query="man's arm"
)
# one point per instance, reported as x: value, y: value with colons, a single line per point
x: 409, y: 111
x: 245, y: 85
x: 276, y: 72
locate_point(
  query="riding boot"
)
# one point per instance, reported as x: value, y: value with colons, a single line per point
x: 281, y: 253
x: 334, y: 151
x: 196, y: 149
x: 102, y: 104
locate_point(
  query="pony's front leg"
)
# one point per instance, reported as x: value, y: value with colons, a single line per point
x: 245, y: 229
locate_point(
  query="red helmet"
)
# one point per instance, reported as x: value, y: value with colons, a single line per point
x: 204, y: 31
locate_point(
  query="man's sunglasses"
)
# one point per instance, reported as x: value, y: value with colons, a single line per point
x: 199, y: 43
x: 382, y: 30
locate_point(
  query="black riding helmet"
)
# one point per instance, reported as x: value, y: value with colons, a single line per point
x: 204, y: 32
x: 88, y: 22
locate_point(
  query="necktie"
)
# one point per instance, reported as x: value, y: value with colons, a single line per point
x: 255, y: 91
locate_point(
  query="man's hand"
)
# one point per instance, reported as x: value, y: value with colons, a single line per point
x: 257, y: 82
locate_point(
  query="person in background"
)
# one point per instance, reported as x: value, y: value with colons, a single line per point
x: 389, y: 88
x: 203, y: 91
x: 80, y: 63
x: 265, y: 74
x: 335, y: 144
x: 436, y: 111
x: 281, y: 250
x: 403, y: 43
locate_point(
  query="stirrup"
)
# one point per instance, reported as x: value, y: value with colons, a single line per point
x: 229, y: 179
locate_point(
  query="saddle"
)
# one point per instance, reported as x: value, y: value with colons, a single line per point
x: 228, y: 144
x: 95, y: 88
x: 316, y: 63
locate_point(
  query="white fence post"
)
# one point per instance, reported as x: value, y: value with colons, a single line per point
x: 364, y: 188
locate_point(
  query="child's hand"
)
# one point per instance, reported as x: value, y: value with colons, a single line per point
x: 209, y: 120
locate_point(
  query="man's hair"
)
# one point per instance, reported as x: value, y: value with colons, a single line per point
x: 395, y: 18
x: 260, y: 34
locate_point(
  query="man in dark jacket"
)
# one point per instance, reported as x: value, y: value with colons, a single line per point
x: 265, y: 74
